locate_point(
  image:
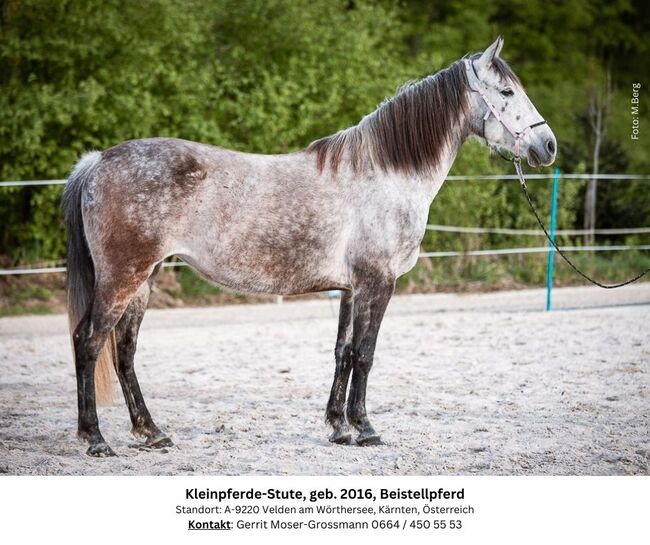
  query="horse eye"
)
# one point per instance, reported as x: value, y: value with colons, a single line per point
x: 507, y: 92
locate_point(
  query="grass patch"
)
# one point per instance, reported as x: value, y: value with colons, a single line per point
x: 487, y: 273
x: 193, y: 285
x: 44, y: 295
x: 40, y: 293
x: 18, y: 310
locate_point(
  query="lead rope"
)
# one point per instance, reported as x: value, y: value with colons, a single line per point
x: 476, y: 86
x: 522, y: 181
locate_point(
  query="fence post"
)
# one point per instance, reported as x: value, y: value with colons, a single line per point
x: 551, y: 248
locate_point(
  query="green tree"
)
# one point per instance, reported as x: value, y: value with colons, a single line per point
x: 272, y: 76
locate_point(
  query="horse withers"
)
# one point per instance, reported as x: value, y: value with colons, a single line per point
x: 347, y: 213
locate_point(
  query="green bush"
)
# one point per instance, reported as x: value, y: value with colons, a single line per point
x: 272, y: 76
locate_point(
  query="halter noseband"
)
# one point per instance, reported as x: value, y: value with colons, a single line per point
x: 477, y: 86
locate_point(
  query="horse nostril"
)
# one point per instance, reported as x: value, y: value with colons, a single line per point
x: 550, y: 146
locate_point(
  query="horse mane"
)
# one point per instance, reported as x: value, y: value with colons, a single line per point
x: 407, y: 133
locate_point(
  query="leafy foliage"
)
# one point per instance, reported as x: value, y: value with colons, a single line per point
x: 272, y: 76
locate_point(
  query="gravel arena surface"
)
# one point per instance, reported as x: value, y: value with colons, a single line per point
x: 487, y: 384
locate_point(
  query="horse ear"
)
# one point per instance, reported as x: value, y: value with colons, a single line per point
x: 490, y: 53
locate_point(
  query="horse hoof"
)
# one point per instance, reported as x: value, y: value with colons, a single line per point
x: 341, y: 437
x: 100, y: 450
x: 369, y: 440
x: 159, y: 442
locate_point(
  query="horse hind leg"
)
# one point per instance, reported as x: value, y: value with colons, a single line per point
x: 89, y: 338
x: 108, y: 302
x: 127, y: 335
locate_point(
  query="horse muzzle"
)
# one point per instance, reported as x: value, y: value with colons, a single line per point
x: 543, y: 151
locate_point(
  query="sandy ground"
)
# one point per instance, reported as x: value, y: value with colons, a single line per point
x: 462, y: 384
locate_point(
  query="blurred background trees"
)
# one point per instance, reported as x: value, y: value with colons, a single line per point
x: 270, y: 76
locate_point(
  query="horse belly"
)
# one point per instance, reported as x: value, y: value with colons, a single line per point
x: 282, y: 262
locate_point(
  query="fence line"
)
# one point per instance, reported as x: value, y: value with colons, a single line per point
x: 28, y: 270
x: 40, y: 270
x: 503, y: 251
x: 602, y: 177
x: 549, y: 176
x: 537, y: 250
x: 535, y: 232
x: 435, y: 227
x: 18, y: 183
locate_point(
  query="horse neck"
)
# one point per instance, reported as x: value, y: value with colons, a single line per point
x: 428, y: 183
x: 431, y: 177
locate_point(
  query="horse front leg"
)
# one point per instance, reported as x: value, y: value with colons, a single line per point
x: 371, y: 297
x: 343, y: 355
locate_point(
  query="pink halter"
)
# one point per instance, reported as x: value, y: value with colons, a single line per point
x: 476, y: 85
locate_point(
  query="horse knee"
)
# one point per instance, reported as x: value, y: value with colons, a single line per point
x: 86, y: 342
x: 343, y: 355
x: 126, y: 347
x: 363, y: 361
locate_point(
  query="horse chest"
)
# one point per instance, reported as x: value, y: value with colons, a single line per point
x: 407, y: 242
x: 393, y: 231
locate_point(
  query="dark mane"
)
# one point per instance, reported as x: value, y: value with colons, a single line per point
x: 407, y: 133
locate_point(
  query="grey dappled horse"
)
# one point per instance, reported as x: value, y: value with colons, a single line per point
x: 348, y: 213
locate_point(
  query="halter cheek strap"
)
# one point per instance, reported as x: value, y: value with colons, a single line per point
x: 477, y: 86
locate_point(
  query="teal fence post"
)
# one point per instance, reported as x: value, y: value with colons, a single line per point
x: 551, y: 248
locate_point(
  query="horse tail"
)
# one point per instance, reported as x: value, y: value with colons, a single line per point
x: 80, y: 283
